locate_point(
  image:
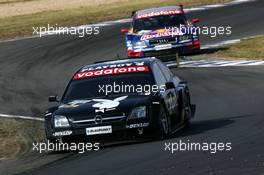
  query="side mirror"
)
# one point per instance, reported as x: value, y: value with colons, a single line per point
x: 170, y: 85
x: 124, y: 30
x: 195, y: 20
x: 53, y: 98
x: 133, y: 12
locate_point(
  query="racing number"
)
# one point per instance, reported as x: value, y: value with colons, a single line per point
x: 171, y: 101
x: 171, y: 95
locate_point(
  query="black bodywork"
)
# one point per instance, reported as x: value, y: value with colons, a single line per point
x: 82, y: 113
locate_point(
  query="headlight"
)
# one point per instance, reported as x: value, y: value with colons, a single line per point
x: 139, y: 44
x: 61, y: 121
x: 138, y: 112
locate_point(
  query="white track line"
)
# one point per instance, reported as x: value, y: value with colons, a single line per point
x: 21, y: 117
x: 234, y: 41
x: 216, y: 63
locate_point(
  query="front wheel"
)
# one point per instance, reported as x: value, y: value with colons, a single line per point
x: 163, y: 124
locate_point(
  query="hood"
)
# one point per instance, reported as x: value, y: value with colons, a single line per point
x: 112, y: 106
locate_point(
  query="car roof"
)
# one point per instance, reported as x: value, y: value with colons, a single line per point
x: 175, y: 7
x: 147, y: 61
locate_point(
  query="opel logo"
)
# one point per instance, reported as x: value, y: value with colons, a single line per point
x: 98, y: 119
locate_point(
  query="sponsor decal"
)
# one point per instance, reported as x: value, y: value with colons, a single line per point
x: 99, y: 130
x: 160, y: 13
x: 110, y: 71
x: 88, y: 68
x: 106, y: 104
x: 62, y: 133
x: 137, y: 125
x: 102, y: 105
x: 160, y: 34
x: 163, y: 47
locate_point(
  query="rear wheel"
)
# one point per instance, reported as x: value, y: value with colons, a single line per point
x: 186, y: 108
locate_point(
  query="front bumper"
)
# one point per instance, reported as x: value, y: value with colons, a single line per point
x: 167, y: 53
x: 79, y: 130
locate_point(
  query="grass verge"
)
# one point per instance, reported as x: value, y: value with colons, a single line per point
x: 16, y: 136
x: 21, y: 25
x: 251, y: 49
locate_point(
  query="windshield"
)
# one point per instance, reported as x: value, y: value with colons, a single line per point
x: 159, y: 22
x: 95, y: 87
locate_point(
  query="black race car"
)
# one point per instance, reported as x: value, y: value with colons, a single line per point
x: 120, y: 98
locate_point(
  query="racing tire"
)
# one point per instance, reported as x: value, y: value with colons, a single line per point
x: 163, y: 124
x: 186, y: 109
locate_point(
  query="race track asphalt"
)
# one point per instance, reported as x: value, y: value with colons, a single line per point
x: 229, y: 100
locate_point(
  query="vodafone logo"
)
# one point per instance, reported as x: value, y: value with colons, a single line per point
x: 151, y: 14
x: 111, y: 71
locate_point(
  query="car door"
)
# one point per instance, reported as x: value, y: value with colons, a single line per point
x: 169, y: 95
x: 170, y: 78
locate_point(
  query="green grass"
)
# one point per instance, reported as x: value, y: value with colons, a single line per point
x: 252, y: 48
x: 17, y: 136
x: 22, y: 25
